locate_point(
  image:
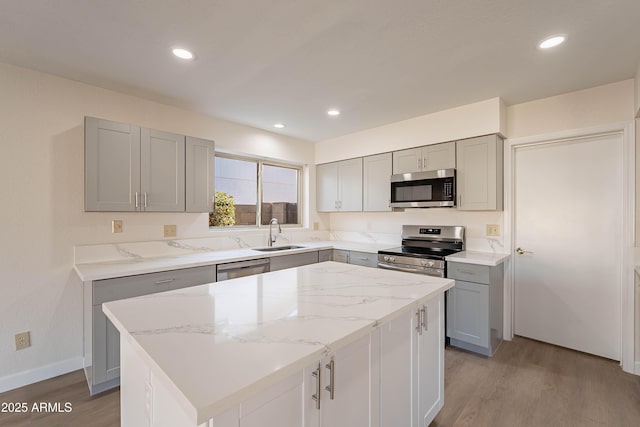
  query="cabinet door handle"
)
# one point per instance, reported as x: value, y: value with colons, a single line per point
x: 136, y: 200
x: 331, y: 387
x: 145, y: 199
x: 419, y: 161
x: 316, y: 397
x: 423, y: 315
x: 424, y: 162
x: 160, y: 282
x: 418, y: 323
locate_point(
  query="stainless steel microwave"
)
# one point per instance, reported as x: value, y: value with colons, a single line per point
x: 424, y: 189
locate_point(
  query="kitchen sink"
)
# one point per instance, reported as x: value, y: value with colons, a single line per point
x: 278, y: 248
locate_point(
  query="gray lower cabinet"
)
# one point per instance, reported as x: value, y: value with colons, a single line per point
x: 356, y: 257
x: 474, y: 307
x: 295, y: 260
x: 325, y: 255
x: 340, y: 255
x: 363, y: 258
x: 101, y: 339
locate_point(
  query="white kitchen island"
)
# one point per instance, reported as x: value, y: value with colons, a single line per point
x: 326, y: 344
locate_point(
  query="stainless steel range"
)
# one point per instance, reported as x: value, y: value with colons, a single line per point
x: 423, y: 249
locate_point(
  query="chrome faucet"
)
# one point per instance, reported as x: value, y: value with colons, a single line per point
x: 272, y: 238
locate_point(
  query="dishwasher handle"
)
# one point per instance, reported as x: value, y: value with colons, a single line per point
x: 242, y: 264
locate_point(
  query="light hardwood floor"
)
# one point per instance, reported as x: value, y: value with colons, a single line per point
x: 526, y: 383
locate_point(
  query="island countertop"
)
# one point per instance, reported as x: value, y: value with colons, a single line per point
x: 217, y: 344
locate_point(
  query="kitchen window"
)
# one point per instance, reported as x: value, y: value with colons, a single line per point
x: 250, y: 191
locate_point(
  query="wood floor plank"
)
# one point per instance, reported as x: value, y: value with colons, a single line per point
x: 525, y: 384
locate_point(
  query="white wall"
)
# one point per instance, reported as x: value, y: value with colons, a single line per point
x: 612, y: 103
x: 480, y: 118
x: 41, y: 135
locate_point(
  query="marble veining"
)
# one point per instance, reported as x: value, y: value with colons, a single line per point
x: 126, y: 253
x: 218, y: 343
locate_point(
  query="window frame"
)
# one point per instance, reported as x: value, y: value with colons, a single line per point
x: 260, y: 161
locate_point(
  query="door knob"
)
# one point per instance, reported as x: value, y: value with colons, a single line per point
x: 521, y: 251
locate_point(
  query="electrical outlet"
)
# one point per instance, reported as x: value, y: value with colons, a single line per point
x: 316, y: 226
x: 493, y: 230
x: 170, y: 230
x: 116, y: 226
x: 23, y: 340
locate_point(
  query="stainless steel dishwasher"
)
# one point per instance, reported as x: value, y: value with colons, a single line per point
x: 231, y: 270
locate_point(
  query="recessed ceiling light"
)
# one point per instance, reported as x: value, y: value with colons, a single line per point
x: 279, y: 125
x: 333, y: 112
x: 182, y: 53
x: 552, y: 41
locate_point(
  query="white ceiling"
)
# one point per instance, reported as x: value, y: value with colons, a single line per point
x: 379, y: 61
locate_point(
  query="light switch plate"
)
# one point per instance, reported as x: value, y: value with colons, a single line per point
x: 170, y: 230
x: 116, y: 226
x: 493, y: 230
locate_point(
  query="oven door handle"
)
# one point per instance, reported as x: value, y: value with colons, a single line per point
x: 393, y: 267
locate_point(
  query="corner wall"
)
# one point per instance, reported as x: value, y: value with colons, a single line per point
x: 42, y: 186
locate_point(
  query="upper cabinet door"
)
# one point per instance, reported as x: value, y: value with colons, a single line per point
x: 350, y: 185
x: 376, y: 185
x: 162, y: 171
x: 199, y: 174
x: 439, y: 156
x: 479, y: 173
x: 407, y: 161
x: 327, y: 187
x: 112, y: 165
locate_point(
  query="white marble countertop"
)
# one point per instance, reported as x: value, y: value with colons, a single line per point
x: 217, y: 344
x: 129, y: 267
x: 481, y: 258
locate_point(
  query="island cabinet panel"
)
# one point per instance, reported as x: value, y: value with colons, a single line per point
x: 412, y: 366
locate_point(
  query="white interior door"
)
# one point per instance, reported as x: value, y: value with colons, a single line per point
x: 568, y: 217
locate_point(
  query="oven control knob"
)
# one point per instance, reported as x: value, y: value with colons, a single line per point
x: 392, y: 259
x: 423, y: 263
x: 386, y: 257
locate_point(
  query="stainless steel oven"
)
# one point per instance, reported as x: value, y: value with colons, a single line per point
x: 423, y: 250
x: 424, y: 189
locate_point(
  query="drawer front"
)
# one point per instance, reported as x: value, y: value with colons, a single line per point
x: 144, y: 284
x: 363, y: 258
x: 325, y: 255
x: 468, y: 272
x: 341, y: 256
x: 295, y: 260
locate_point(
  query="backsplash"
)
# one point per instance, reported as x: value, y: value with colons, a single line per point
x: 224, y: 240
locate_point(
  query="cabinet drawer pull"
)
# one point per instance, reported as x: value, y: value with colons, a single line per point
x: 160, y: 282
x: 331, y: 387
x: 467, y: 272
x: 316, y: 374
x: 423, y: 315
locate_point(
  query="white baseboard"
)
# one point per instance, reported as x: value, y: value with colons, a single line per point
x: 42, y: 373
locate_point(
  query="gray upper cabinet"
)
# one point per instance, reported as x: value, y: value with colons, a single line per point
x: 479, y: 173
x: 427, y: 158
x: 339, y: 186
x: 199, y: 174
x: 376, y: 183
x: 162, y: 171
x: 112, y: 165
x: 128, y: 168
